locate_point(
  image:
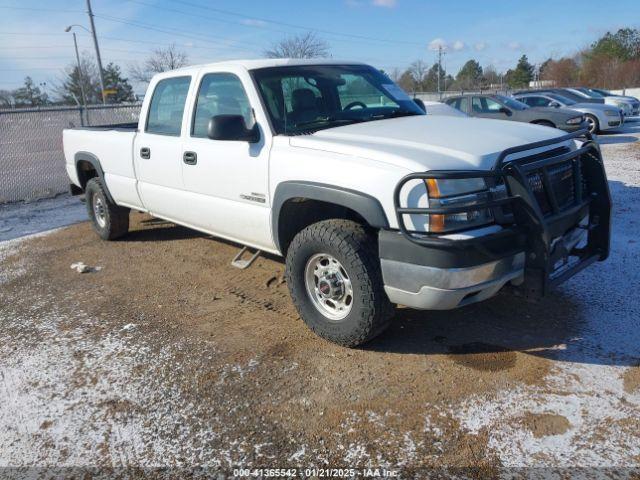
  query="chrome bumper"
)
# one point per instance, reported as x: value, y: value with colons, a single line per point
x: 429, y: 288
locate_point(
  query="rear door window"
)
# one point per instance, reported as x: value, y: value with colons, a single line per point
x: 167, y: 106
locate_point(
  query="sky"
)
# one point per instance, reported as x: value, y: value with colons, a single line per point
x: 388, y: 34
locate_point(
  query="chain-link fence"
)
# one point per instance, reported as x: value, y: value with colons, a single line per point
x: 438, y: 97
x: 31, y: 156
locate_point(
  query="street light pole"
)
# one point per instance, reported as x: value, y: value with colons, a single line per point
x: 95, y: 43
x: 84, y: 97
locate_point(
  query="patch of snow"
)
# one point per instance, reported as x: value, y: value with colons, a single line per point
x: 26, y: 218
x: 586, y: 384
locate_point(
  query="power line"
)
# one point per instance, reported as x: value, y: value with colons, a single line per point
x: 170, y: 31
x: 291, y: 25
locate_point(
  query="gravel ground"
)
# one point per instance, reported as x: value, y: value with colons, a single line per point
x: 169, y: 357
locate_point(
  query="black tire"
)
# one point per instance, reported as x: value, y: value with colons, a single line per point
x: 593, y: 122
x: 356, y: 250
x: 114, y: 220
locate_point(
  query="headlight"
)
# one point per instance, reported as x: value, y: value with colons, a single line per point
x: 575, y: 120
x: 612, y: 113
x: 458, y: 193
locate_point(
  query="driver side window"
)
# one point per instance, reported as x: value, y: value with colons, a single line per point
x: 220, y: 94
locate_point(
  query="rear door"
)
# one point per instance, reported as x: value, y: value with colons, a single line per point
x: 157, y: 150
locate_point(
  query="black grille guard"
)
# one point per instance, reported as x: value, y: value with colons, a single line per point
x: 538, y: 232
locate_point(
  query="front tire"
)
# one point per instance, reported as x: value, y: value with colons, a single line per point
x: 593, y: 124
x: 334, y: 277
x: 108, y: 219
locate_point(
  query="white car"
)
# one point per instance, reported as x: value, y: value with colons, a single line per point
x: 334, y: 167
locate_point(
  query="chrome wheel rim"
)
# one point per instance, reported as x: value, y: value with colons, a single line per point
x: 99, y: 211
x: 328, y: 286
x: 592, y: 124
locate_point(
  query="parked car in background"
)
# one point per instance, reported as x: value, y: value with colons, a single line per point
x: 622, y: 103
x: 606, y: 93
x: 500, y: 107
x: 565, y: 92
x: 599, y: 117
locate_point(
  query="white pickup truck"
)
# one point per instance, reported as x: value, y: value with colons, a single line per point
x: 372, y: 202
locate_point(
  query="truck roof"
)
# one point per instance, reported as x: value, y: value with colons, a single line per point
x: 252, y: 64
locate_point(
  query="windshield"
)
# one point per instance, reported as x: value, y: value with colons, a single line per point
x: 512, y: 103
x: 561, y: 99
x: 604, y: 93
x: 591, y: 93
x: 302, y: 99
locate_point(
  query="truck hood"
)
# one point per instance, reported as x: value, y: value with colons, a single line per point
x: 428, y: 142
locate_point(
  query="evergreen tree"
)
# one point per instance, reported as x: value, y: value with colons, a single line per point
x: 469, y: 76
x: 113, y: 80
x: 521, y: 75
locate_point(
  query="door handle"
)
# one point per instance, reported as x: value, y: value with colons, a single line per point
x: 145, y: 152
x: 190, y: 158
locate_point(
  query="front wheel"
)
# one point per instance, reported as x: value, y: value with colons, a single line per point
x: 334, y: 277
x: 592, y: 123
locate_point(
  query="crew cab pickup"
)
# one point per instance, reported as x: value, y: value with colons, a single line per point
x: 372, y: 202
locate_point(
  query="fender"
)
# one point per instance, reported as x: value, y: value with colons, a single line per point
x: 95, y: 163
x: 365, y: 205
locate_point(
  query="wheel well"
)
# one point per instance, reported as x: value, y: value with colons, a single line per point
x: 298, y: 213
x: 86, y: 171
x: 544, y: 122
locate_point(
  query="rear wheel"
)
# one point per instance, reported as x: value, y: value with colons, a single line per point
x: 335, y: 281
x: 108, y: 219
x: 592, y: 123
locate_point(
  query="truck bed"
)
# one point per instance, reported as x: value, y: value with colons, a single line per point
x: 118, y: 127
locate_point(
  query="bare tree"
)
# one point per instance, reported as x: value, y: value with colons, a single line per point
x: 161, y: 60
x: 418, y: 71
x: 6, y: 99
x: 307, y: 45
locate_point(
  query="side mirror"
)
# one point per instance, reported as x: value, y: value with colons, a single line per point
x: 231, y: 128
x: 506, y: 111
x: 554, y: 105
x: 421, y: 104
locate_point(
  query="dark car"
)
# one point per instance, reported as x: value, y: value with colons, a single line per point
x: 500, y: 107
x: 565, y: 92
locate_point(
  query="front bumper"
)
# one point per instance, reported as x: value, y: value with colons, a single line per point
x: 535, y: 246
x: 423, y: 286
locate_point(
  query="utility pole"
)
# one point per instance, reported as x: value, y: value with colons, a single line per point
x: 439, y: 70
x: 95, y: 43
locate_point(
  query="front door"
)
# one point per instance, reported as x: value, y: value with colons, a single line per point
x: 227, y: 181
x: 157, y: 150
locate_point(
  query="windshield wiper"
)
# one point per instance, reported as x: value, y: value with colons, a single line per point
x: 329, y: 120
x: 396, y: 114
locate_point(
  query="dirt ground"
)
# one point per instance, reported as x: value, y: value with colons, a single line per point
x: 169, y: 357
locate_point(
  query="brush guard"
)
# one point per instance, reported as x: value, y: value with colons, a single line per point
x: 537, y: 208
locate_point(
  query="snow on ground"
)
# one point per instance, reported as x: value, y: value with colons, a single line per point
x: 26, y: 218
x: 586, y: 386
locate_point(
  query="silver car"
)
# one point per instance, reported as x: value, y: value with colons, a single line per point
x: 622, y: 103
x: 600, y: 117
